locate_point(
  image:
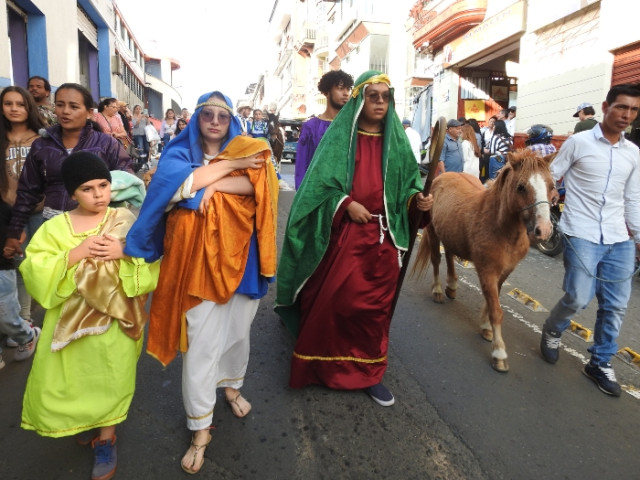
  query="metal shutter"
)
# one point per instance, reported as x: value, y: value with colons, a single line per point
x: 87, y: 27
x: 626, y: 65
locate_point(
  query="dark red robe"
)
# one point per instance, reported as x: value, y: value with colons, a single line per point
x: 346, y: 304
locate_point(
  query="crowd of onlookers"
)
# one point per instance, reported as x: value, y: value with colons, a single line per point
x: 210, y: 216
x: 481, y: 151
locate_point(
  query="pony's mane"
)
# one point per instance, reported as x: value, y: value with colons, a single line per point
x: 529, y: 162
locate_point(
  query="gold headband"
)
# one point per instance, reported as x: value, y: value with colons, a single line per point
x: 211, y: 103
x: 382, y: 78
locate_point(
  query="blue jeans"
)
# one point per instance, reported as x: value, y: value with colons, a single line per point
x: 583, y: 262
x: 11, y: 324
x: 141, y: 144
x: 34, y: 222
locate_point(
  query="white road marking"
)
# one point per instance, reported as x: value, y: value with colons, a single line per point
x: 537, y: 330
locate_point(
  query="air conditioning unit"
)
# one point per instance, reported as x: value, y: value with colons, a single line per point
x: 116, y: 65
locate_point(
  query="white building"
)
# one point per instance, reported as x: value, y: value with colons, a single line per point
x: 80, y: 41
x: 313, y: 37
x: 545, y: 57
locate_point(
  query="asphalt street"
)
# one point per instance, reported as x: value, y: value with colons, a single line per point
x: 454, y: 417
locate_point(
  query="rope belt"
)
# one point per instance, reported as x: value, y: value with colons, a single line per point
x: 384, y: 227
x: 381, y: 222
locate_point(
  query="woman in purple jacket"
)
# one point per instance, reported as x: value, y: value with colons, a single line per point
x: 41, y: 175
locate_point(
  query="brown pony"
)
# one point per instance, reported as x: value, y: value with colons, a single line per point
x: 492, y: 227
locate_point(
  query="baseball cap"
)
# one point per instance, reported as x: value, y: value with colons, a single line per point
x: 454, y: 123
x: 580, y: 107
x: 406, y: 121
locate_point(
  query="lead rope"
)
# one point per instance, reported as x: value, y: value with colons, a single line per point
x: 594, y: 276
x: 535, y: 205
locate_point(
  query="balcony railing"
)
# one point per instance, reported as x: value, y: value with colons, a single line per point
x: 380, y: 66
x: 308, y: 34
x: 322, y: 41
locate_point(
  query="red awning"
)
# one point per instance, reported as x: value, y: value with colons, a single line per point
x: 156, y: 123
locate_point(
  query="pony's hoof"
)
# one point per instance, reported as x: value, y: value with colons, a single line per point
x: 487, y: 334
x: 438, y: 297
x: 500, y: 365
x: 450, y: 292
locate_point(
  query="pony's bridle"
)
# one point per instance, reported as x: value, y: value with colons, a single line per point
x: 535, y: 205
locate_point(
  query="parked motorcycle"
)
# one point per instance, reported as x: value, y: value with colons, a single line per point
x: 553, y: 246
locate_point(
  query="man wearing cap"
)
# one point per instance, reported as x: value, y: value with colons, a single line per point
x: 414, y: 139
x: 451, y: 156
x: 244, y: 110
x: 585, y: 113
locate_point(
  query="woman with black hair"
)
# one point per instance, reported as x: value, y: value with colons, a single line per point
x: 21, y: 122
x: 41, y: 176
x: 499, y: 144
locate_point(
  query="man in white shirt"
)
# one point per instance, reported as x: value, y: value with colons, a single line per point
x: 601, y: 171
x: 414, y: 139
x: 510, y: 120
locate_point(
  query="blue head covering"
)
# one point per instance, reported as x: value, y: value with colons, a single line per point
x: 190, y: 136
x: 180, y: 157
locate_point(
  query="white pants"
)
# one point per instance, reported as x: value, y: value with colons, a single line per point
x: 218, y: 354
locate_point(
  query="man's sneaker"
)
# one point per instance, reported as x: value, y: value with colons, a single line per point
x: 26, y: 350
x: 604, y: 376
x: 381, y: 395
x: 105, y: 458
x: 550, y: 345
x: 1, y: 362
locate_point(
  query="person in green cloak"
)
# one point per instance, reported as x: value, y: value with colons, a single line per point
x: 346, y: 236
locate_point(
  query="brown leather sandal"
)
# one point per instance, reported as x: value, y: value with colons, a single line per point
x: 192, y: 453
x: 238, y: 410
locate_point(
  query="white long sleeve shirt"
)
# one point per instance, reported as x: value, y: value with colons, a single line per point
x: 602, y: 184
x: 415, y: 141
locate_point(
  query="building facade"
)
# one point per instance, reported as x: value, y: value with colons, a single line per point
x: 544, y: 57
x: 314, y: 37
x: 81, y: 41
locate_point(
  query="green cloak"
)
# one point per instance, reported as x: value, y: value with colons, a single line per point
x: 327, y: 184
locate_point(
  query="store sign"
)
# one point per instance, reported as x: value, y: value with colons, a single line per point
x: 475, y: 109
x: 505, y: 24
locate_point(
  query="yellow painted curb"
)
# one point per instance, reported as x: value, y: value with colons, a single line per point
x: 527, y: 300
x: 630, y: 355
x: 464, y: 263
x: 582, y: 331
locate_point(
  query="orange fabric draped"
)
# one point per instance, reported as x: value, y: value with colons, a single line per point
x: 205, y: 255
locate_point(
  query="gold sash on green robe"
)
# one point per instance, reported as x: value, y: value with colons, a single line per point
x: 100, y: 296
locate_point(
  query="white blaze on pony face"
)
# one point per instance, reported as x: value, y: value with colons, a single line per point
x: 543, y: 227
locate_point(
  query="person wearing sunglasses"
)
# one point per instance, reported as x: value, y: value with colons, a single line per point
x: 211, y: 179
x: 346, y: 235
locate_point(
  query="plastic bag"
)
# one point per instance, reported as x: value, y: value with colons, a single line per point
x: 151, y: 133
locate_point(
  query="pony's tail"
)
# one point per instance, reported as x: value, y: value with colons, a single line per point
x: 423, y: 258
